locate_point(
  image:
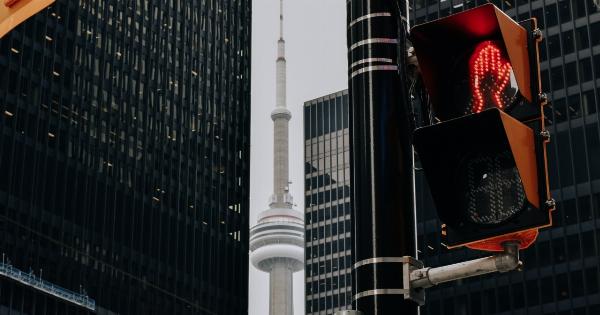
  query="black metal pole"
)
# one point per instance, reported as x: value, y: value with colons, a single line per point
x: 382, y: 158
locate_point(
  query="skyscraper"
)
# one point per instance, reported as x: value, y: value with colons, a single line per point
x: 124, y: 158
x: 327, y: 204
x: 561, y: 274
x: 277, y: 240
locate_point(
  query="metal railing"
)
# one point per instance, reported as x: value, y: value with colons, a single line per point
x: 29, y: 279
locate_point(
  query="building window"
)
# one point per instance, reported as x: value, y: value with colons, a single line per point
x: 571, y: 72
x: 551, y: 18
x: 548, y: 291
x: 581, y: 38
x: 579, y: 8
x: 595, y: 32
x: 568, y: 45
x: 564, y: 10
x: 585, y: 69
x: 554, y: 46
x: 557, y: 78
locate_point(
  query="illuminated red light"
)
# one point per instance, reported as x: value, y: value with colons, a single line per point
x: 490, y: 73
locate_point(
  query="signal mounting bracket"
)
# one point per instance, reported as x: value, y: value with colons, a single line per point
x: 423, y: 278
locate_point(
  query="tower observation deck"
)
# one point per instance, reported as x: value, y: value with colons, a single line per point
x: 277, y: 240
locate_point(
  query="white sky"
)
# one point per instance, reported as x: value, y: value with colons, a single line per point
x: 315, y: 34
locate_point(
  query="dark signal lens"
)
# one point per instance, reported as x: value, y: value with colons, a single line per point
x: 493, y: 188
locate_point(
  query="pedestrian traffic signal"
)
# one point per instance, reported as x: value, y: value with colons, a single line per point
x: 485, y: 158
x: 14, y: 12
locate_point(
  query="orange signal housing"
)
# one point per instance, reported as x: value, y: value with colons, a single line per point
x: 445, y: 50
x: 15, y: 12
x: 454, y: 32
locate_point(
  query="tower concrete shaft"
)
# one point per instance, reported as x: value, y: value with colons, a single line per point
x: 281, y: 298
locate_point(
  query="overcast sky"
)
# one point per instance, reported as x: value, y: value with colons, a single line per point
x: 315, y: 34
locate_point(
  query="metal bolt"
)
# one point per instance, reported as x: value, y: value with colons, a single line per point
x: 538, y: 35
x: 545, y: 135
x: 543, y: 99
x: 520, y: 266
x: 551, y: 204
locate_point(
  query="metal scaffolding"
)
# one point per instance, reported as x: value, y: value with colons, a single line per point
x: 29, y: 279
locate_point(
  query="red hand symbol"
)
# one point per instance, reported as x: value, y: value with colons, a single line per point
x: 487, y: 61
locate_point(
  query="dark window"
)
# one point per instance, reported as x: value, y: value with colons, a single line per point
x: 559, y: 250
x: 574, y: 106
x: 564, y: 9
x: 543, y: 52
x: 319, y: 122
x: 579, y: 157
x: 579, y: 8
x: 544, y: 255
x: 490, y: 301
x: 584, y: 206
x: 591, y: 280
x: 307, y: 122
x: 554, y: 46
x: 573, y: 247
x: 577, y: 288
x: 588, y: 244
x: 518, y: 295
x: 585, y: 70
x: 560, y: 110
x: 313, y: 121
x: 595, y: 33
x: 568, y: 44
x: 445, y: 12
x: 562, y: 286
x: 544, y: 74
x: 449, y: 306
x: 588, y: 102
x: 504, y: 296
x: 597, y: 66
x: 325, y: 118
x: 564, y: 159
x: 571, y: 72
x: 581, y: 38
x: 475, y: 303
x: 532, y: 292
x: 548, y: 290
x: 339, y: 114
x: 557, y: 78
x: 551, y: 16
x: 593, y: 150
x: 346, y: 111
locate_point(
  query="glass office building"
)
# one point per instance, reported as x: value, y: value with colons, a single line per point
x: 561, y: 273
x: 124, y: 158
x: 327, y: 204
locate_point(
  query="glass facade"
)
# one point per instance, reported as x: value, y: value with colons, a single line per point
x: 561, y: 274
x: 124, y: 156
x: 327, y: 204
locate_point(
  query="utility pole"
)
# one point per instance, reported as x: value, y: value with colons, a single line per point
x: 382, y: 157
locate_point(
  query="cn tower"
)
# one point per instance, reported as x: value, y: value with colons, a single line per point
x: 277, y: 240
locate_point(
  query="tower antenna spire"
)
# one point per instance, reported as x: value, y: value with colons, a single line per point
x: 281, y: 19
